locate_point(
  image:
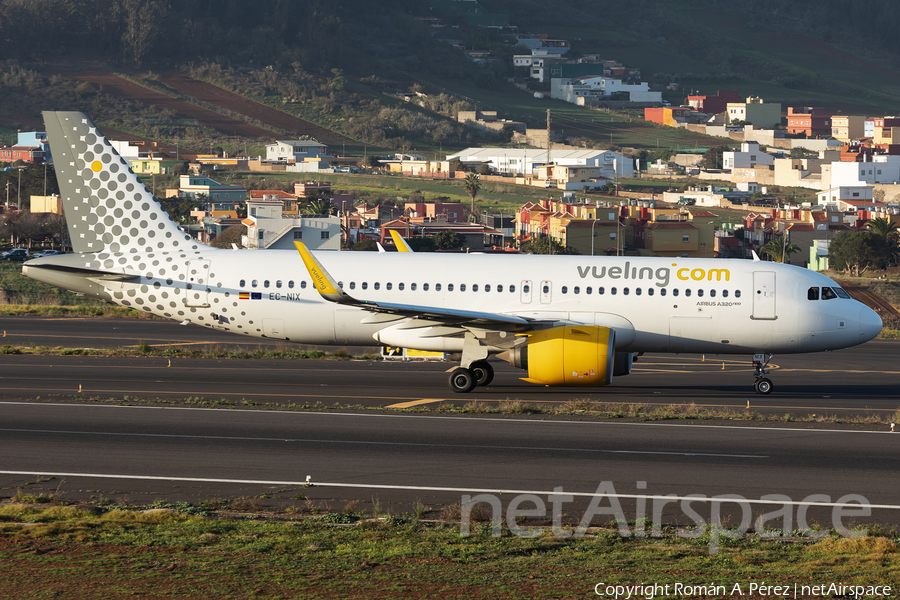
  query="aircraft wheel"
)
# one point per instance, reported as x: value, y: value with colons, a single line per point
x: 483, y: 371
x: 763, y: 386
x: 462, y: 380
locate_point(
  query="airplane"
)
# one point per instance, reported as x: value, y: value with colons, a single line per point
x: 565, y: 320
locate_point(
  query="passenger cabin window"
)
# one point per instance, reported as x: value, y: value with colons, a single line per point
x: 253, y: 283
x: 487, y: 287
x: 565, y: 289
x: 828, y: 294
x: 525, y: 289
x: 737, y: 293
x: 376, y: 285
x: 613, y: 291
x: 588, y: 290
x: 449, y: 287
x: 388, y: 285
x: 662, y: 291
x: 462, y: 287
x: 303, y: 284
x: 352, y: 285
x: 400, y: 286
x: 576, y: 290
x: 437, y: 287
x: 699, y: 293
x: 649, y: 291
x: 243, y: 283
x: 712, y: 293
x: 687, y: 292
x: 546, y: 289
x: 278, y: 283
x: 425, y: 287
x: 512, y: 289
x: 812, y: 293
x: 675, y: 292
x: 412, y: 287
x: 365, y: 285
x: 724, y: 293
x: 291, y: 284
x: 266, y: 283
x: 474, y: 287
x: 637, y: 291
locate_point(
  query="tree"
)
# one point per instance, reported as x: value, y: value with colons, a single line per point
x: 366, y: 245
x: 422, y: 244
x: 229, y: 236
x: 472, y: 183
x: 858, y: 251
x: 484, y: 169
x: 506, y: 132
x: 780, y: 249
x: 370, y: 162
x: 886, y: 229
x: 712, y: 158
x: 546, y: 245
x: 318, y: 207
x: 448, y: 240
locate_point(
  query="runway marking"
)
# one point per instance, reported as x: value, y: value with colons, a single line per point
x: 445, y: 417
x: 416, y: 403
x: 424, y: 488
x: 371, y: 443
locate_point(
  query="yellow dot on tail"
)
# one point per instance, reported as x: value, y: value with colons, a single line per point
x: 96, y: 166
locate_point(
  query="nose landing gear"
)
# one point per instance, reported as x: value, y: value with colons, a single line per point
x: 763, y: 385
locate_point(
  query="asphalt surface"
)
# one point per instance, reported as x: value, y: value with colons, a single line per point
x: 435, y: 459
x: 66, y: 442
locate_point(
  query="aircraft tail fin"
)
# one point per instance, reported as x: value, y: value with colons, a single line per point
x: 107, y: 207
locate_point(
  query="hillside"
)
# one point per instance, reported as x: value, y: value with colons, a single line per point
x: 249, y: 75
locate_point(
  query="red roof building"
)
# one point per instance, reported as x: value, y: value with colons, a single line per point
x: 810, y: 121
x: 29, y: 154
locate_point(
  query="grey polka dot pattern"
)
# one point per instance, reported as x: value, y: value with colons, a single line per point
x: 144, y: 261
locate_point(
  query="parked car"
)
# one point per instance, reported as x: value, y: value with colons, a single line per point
x: 44, y: 253
x: 16, y: 254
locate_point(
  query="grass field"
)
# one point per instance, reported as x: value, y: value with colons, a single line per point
x: 179, y: 552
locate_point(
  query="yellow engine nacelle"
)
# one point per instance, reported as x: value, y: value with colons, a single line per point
x: 569, y: 355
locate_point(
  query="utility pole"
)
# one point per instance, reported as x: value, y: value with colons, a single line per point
x: 19, y: 196
x: 548, y: 144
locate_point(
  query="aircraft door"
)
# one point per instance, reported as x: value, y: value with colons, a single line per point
x: 764, y: 295
x: 197, y: 292
x: 526, y: 291
x: 546, y: 292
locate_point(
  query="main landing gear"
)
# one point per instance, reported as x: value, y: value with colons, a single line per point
x: 763, y: 385
x: 464, y: 380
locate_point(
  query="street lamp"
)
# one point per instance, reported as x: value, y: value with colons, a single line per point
x: 19, y: 197
x: 618, y: 222
x: 592, y: 236
x: 706, y: 244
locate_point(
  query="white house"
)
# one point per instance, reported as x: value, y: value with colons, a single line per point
x: 749, y: 156
x: 267, y: 228
x: 582, y: 90
x: 294, y: 150
x: 523, y: 161
x: 883, y: 169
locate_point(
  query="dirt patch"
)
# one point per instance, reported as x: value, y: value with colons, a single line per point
x: 872, y: 300
x: 213, y: 94
x: 118, y: 86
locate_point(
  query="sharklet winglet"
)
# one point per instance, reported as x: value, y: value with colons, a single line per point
x: 399, y: 242
x: 324, y: 283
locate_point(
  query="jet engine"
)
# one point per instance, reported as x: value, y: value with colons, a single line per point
x: 569, y: 355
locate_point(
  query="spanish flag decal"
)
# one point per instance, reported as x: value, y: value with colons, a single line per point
x: 245, y: 296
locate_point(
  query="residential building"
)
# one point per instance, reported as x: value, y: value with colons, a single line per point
x: 542, y: 42
x: 290, y: 202
x: 28, y: 154
x: 809, y: 121
x: 881, y: 169
x: 477, y: 235
x: 538, y: 63
x: 589, y: 90
x: 269, y: 228
x: 293, y: 151
x: 35, y: 138
x: 208, y: 191
x: 761, y: 114
x: 714, y: 105
x: 306, y: 188
x: 442, y: 212
x: 524, y: 161
x: 887, y: 131
x: 847, y: 128
x: 667, y: 115
x: 848, y: 197
x: 487, y: 119
x: 750, y: 156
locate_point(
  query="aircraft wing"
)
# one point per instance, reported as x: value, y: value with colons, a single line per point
x: 329, y: 289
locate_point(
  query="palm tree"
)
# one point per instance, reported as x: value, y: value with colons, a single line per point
x: 472, y: 183
x: 887, y: 230
x: 780, y: 249
x: 884, y: 228
x: 317, y: 207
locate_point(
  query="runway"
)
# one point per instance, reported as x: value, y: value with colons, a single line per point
x: 56, y: 439
x: 401, y: 458
x: 861, y: 380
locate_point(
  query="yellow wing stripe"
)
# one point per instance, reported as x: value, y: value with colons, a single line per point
x: 321, y: 279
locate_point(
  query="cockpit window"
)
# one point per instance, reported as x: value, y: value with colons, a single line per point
x: 841, y: 293
x: 812, y: 293
x: 828, y: 294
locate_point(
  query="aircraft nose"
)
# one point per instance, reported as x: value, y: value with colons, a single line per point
x: 869, y: 324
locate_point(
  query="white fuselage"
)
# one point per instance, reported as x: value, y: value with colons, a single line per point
x: 654, y: 304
